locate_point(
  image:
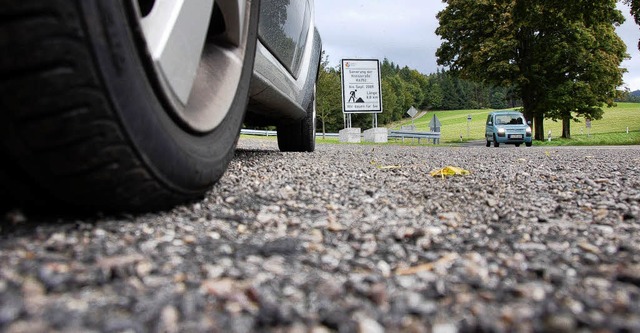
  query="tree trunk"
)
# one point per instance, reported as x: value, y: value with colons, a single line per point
x: 566, y: 128
x: 538, y: 122
x: 323, y: 130
x: 531, y: 110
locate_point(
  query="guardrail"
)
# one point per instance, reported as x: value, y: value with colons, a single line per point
x: 258, y: 132
x: 433, y: 136
x: 274, y: 133
x: 331, y: 135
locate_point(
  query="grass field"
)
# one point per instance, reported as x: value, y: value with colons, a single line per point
x: 610, y: 130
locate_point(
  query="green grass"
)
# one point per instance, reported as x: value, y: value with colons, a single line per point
x: 610, y: 130
x: 600, y: 139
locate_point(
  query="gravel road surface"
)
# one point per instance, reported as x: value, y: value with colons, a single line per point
x: 351, y: 238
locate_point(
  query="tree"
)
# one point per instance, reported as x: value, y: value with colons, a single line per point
x: 433, y: 95
x: 560, y: 56
x: 389, y: 102
x: 388, y: 68
x: 586, y: 80
x: 456, y: 93
x: 404, y: 99
x: 415, y: 83
x: 498, y: 99
x: 328, y: 92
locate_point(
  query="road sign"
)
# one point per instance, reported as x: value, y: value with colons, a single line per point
x: 412, y: 112
x: 361, y: 89
x: 434, y: 124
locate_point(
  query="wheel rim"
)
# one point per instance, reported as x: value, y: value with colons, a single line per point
x: 198, y: 50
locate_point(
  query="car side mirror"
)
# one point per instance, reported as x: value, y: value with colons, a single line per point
x: 529, y: 122
x: 489, y: 123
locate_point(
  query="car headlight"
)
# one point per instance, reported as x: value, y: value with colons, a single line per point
x: 528, y: 130
x: 501, y: 131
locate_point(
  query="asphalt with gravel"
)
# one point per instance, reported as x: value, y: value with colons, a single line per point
x: 350, y: 238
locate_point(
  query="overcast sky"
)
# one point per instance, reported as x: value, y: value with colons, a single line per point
x: 404, y: 32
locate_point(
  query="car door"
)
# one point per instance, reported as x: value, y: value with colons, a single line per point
x: 489, y: 127
x: 284, y: 27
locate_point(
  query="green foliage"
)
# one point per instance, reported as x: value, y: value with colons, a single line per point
x: 498, y: 99
x: 329, y: 103
x: 456, y: 93
x: 389, y: 102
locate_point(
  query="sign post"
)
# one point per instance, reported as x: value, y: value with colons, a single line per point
x: 362, y: 93
x: 412, y: 112
x: 434, y: 126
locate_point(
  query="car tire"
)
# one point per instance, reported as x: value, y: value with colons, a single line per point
x: 488, y: 143
x: 528, y: 144
x: 517, y: 145
x: 495, y: 142
x: 299, y: 136
x: 86, y: 119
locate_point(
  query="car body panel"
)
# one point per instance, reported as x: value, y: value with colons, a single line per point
x: 508, y: 127
x: 286, y: 65
x: 283, y: 30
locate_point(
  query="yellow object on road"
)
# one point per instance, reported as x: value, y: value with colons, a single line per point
x: 450, y: 171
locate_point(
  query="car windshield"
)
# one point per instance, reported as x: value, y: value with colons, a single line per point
x: 509, y: 119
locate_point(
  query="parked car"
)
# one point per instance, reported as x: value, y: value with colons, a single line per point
x: 138, y: 105
x: 508, y: 127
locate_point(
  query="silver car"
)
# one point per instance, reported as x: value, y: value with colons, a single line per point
x: 138, y: 104
x: 508, y: 127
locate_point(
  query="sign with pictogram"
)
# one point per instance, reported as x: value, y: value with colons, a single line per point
x: 361, y: 89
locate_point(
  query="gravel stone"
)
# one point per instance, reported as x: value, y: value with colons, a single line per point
x: 533, y: 240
